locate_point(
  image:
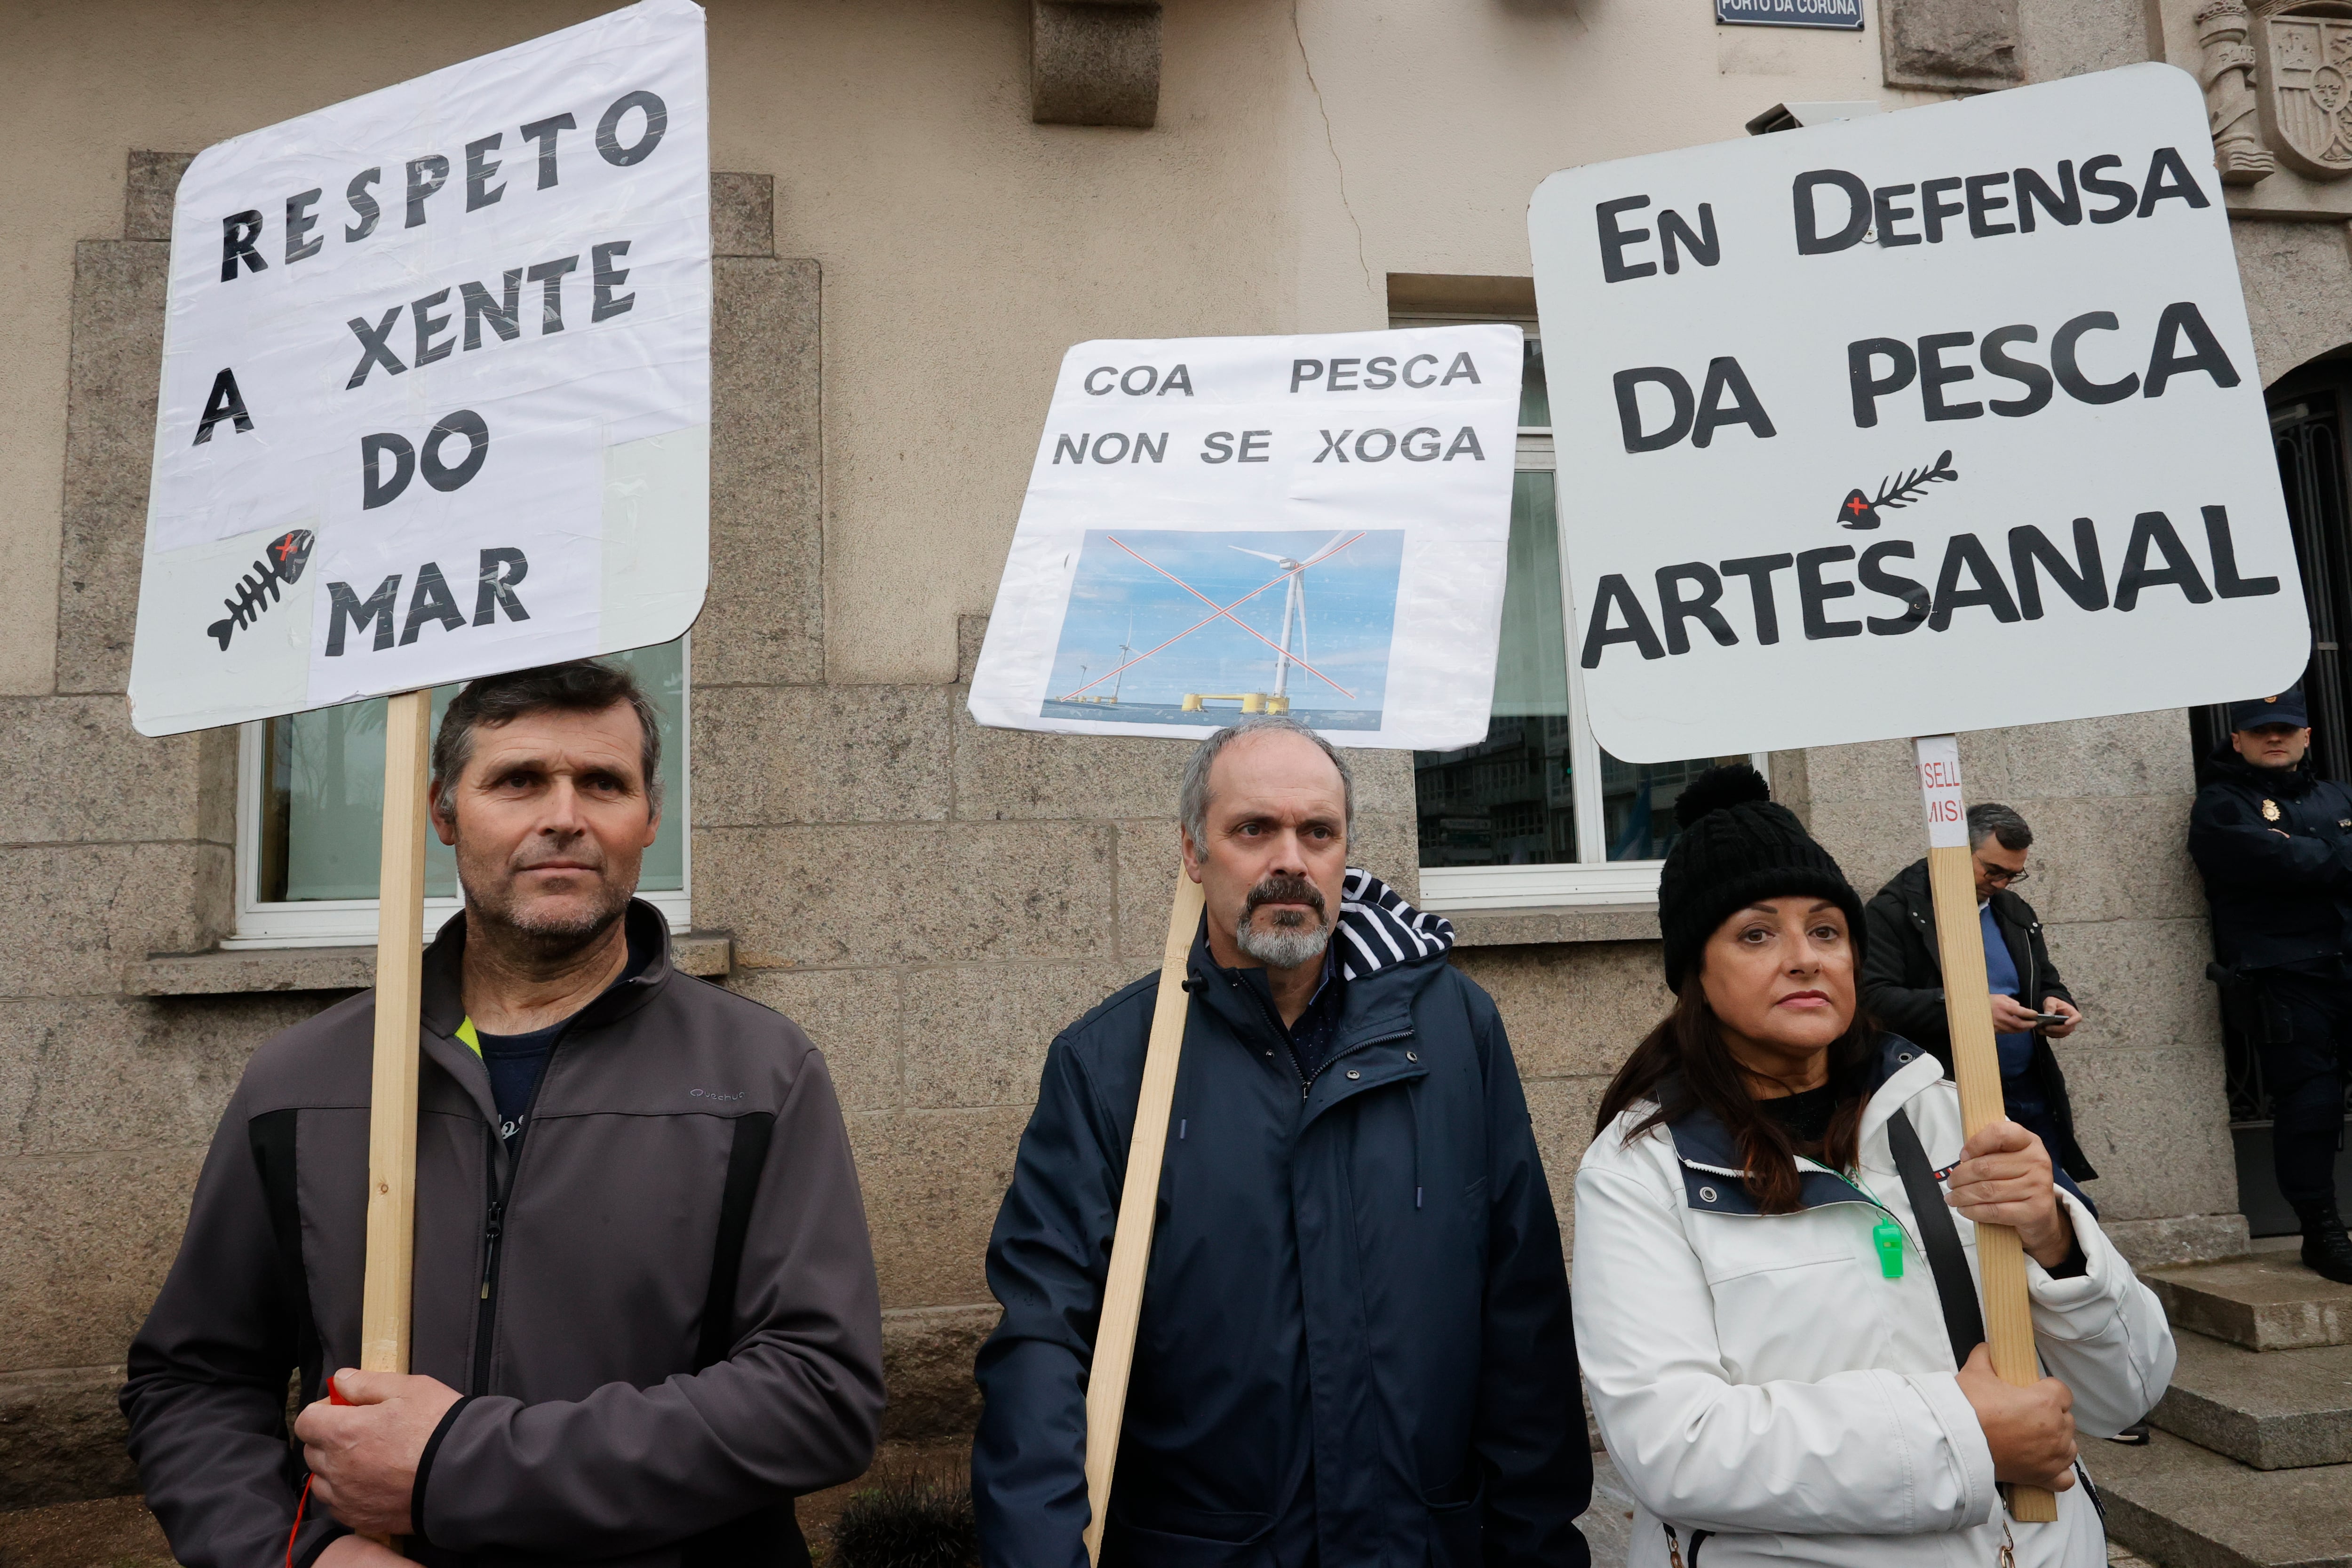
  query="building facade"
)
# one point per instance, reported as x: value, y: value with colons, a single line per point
x: 923, y: 203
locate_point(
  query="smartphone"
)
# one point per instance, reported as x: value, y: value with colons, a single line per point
x: 2049, y: 1018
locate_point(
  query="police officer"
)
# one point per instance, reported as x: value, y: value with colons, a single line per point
x: 2274, y: 844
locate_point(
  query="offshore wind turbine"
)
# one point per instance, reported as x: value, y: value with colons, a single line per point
x: 1294, y: 610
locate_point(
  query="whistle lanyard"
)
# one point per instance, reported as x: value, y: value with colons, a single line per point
x: 1885, y: 1237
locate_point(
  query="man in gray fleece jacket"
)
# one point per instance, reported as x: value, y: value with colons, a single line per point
x: 644, y: 1313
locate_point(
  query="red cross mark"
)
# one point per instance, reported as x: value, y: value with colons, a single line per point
x: 285, y: 547
x: 1856, y: 505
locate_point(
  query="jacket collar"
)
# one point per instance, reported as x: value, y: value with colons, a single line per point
x: 443, y: 1001
x: 1712, y: 1171
x: 1387, y: 951
x: 1919, y: 900
x: 2225, y: 766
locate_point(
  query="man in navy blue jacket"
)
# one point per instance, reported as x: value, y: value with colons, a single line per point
x: 1355, y: 1346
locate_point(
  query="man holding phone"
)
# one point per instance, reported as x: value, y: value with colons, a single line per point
x: 1903, y: 983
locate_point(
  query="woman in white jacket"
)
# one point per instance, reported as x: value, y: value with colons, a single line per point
x: 1757, y: 1322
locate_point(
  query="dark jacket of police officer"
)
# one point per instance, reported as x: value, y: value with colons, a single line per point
x: 2275, y: 846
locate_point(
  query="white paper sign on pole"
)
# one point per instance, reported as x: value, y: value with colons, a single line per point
x: 1940, y: 420
x: 1312, y: 525
x: 436, y: 392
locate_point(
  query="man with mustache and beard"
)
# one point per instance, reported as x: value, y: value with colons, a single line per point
x: 1355, y: 1345
x: 644, y: 1313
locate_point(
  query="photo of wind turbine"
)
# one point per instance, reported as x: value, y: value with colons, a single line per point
x: 1199, y: 627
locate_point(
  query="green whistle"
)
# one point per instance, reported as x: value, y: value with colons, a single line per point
x: 1888, y: 1236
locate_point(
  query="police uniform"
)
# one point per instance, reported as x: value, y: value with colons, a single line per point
x: 2275, y: 846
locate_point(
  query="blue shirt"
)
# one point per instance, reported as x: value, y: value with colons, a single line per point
x: 2000, y: 974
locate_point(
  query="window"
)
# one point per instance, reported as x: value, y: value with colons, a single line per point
x: 1537, y: 813
x: 311, y: 819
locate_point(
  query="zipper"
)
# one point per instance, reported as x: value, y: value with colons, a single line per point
x: 486, y: 1314
x: 1869, y: 1199
x: 1306, y: 1079
x: 494, y: 1218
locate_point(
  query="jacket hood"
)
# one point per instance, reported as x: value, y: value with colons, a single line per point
x: 2223, y: 765
x: 1378, y: 929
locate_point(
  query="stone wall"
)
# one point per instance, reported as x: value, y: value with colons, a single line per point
x: 111, y: 846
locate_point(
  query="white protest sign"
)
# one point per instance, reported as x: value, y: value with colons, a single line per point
x: 1308, y: 526
x: 1940, y: 420
x: 436, y: 391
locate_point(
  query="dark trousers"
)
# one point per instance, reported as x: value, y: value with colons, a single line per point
x: 2023, y: 1104
x: 2307, y: 1023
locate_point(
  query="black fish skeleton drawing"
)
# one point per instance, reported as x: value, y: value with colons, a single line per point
x: 1860, y: 511
x: 281, y: 565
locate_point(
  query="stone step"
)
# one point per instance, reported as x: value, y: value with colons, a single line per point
x: 2181, y: 1506
x: 2274, y: 1410
x: 2268, y: 1301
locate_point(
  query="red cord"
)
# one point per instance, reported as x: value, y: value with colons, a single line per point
x: 334, y: 1396
x: 304, y: 1501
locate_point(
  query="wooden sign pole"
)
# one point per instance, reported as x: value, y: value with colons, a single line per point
x: 1139, y: 1202
x: 399, y: 971
x: 1976, y: 1066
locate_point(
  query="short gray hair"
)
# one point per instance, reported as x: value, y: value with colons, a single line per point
x: 1995, y: 820
x: 1192, y: 804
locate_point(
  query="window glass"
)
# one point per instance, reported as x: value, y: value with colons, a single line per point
x: 1513, y: 798
x: 1535, y: 393
x: 1637, y: 803
x: 1507, y: 800
x: 322, y: 801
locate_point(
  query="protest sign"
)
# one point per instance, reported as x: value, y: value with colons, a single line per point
x: 1220, y: 526
x: 1937, y: 420
x: 435, y: 403
x: 435, y: 396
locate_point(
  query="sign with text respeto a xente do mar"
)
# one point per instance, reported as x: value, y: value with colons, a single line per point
x: 1939, y: 420
x: 436, y: 383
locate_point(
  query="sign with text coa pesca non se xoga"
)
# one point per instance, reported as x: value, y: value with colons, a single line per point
x: 1940, y: 420
x: 436, y: 397
x: 1313, y: 526
x: 1217, y: 527
x: 435, y: 404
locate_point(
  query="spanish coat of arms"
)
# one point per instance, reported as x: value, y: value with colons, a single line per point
x: 2306, y: 68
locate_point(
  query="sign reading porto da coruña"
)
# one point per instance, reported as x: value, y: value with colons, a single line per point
x: 1939, y: 420
x: 1217, y: 527
x: 436, y: 398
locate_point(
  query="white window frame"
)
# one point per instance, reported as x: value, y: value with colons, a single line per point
x: 1593, y: 880
x: 351, y: 922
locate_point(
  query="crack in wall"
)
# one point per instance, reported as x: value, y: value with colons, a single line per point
x: 1331, y: 142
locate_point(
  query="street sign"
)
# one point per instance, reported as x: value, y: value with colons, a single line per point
x: 1217, y: 527
x: 1843, y: 15
x: 1939, y: 420
x: 436, y: 395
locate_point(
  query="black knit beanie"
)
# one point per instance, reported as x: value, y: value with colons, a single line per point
x: 1737, y: 846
